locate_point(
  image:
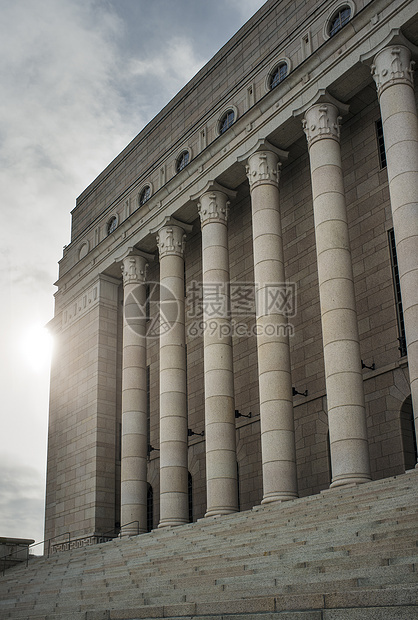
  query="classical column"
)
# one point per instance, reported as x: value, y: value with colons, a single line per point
x: 392, y: 71
x: 134, y: 398
x: 343, y: 374
x: 221, y: 459
x: 275, y: 381
x: 174, y: 508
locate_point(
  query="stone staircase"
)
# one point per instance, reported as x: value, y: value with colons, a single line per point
x: 346, y: 554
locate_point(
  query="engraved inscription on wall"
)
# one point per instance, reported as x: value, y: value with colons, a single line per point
x: 82, y: 305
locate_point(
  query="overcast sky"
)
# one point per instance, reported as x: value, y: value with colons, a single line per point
x: 79, y: 79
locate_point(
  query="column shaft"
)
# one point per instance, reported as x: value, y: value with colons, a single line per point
x: 134, y: 399
x: 393, y: 73
x: 173, y: 392
x: 343, y: 374
x: 221, y: 459
x: 275, y: 382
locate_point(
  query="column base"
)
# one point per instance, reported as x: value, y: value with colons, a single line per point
x: 130, y: 532
x: 279, y: 497
x: 218, y: 512
x: 349, y: 481
x: 172, y: 523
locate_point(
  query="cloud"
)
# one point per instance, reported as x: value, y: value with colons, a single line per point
x: 21, y: 504
x: 174, y: 65
x: 60, y: 101
x: 246, y: 8
x: 171, y: 68
x: 62, y: 119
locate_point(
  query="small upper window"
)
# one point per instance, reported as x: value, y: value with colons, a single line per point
x: 182, y: 161
x: 144, y: 195
x: 278, y: 74
x: 340, y: 19
x: 112, y: 224
x: 226, y: 121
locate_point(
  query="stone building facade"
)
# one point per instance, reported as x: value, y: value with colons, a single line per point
x: 236, y: 318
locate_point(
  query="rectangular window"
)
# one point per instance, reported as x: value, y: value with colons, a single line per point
x: 381, y: 143
x: 202, y: 140
x: 148, y: 405
x: 187, y: 381
x: 397, y: 291
x: 239, y: 498
x: 190, y: 495
x: 119, y: 442
x: 250, y: 96
x: 306, y: 45
x: 147, y: 303
x: 150, y: 509
x: 162, y: 176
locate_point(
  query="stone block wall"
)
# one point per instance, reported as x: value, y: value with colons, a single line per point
x: 81, y: 475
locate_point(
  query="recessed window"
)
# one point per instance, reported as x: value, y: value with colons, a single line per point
x: 409, y: 437
x: 182, y: 161
x: 148, y: 384
x: 150, y: 508
x: 226, y: 121
x: 340, y: 19
x: 381, y: 144
x: 397, y: 291
x: 278, y: 75
x: 190, y: 495
x: 112, y: 225
x: 144, y: 195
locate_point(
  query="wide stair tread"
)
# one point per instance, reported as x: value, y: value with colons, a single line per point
x: 342, y: 543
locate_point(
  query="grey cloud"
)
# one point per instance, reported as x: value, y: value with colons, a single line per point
x: 21, y: 503
x: 31, y: 276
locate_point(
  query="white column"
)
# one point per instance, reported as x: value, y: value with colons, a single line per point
x: 134, y: 398
x: 343, y: 374
x: 221, y: 459
x: 275, y: 381
x: 393, y: 73
x: 174, y: 507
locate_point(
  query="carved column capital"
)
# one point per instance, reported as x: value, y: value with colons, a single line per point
x: 171, y: 241
x: 263, y: 168
x: 393, y: 65
x: 213, y: 206
x: 134, y: 269
x: 321, y: 121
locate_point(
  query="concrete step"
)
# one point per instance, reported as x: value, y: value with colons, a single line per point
x: 319, y: 551
x: 393, y: 603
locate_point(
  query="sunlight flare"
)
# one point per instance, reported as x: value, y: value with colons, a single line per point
x: 36, y: 347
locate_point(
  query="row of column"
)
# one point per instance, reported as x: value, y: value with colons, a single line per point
x: 343, y: 373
